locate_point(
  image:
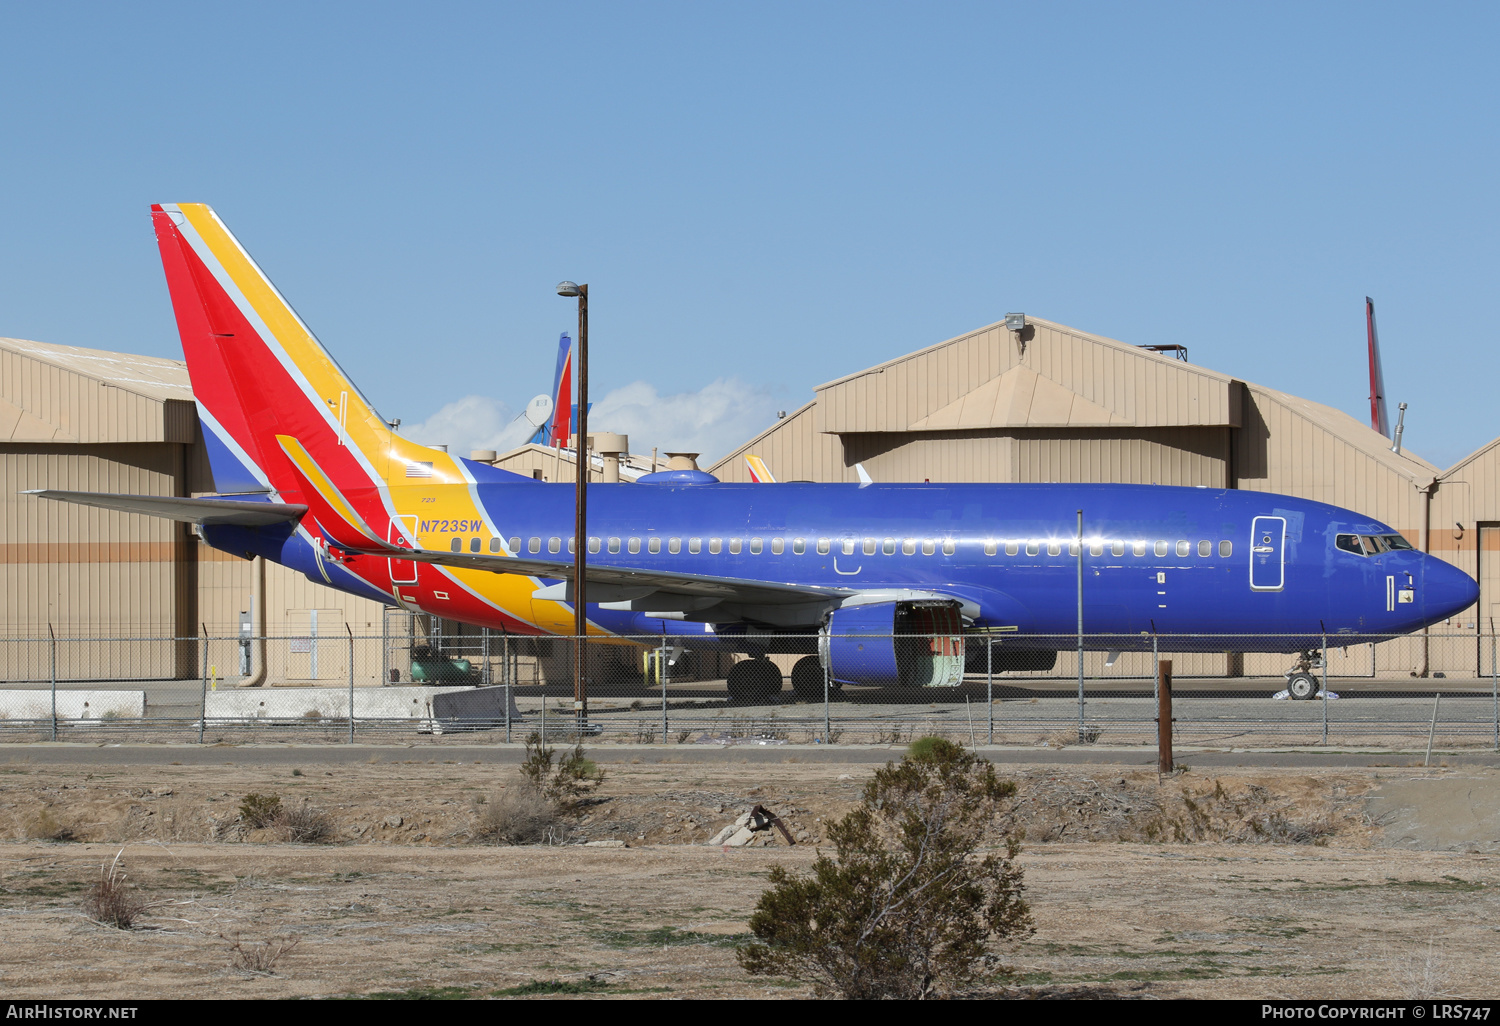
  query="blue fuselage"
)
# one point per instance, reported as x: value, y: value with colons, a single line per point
x: 1271, y: 572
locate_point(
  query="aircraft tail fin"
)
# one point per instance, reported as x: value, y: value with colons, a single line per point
x: 562, y: 394
x: 259, y: 373
x: 1379, y: 419
x: 759, y: 472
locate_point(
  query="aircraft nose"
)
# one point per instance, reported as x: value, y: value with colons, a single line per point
x: 1446, y: 589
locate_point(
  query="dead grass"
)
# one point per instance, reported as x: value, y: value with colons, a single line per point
x: 46, y: 826
x: 303, y: 824
x: 111, y: 901
x: 520, y: 814
x: 259, y: 957
x: 1422, y: 974
x: 1140, y: 809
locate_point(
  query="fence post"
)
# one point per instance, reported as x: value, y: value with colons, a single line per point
x: 351, y: 681
x: 53, y: 635
x: 989, y: 687
x: 505, y: 676
x: 661, y: 678
x: 827, y: 683
x: 1494, y: 684
x: 1324, y: 695
x: 385, y: 648
x: 1155, y: 657
x: 1164, y: 716
x: 203, y: 701
x: 1432, y: 728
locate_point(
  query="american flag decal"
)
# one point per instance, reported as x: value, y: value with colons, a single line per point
x: 414, y: 469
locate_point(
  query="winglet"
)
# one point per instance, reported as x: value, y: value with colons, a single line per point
x: 865, y: 480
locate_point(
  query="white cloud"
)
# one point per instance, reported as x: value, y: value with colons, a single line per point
x: 711, y: 421
x: 473, y: 422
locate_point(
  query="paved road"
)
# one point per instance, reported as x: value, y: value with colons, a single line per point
x: 47, y: 754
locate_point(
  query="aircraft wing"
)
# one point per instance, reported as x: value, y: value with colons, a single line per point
x: 612, y: 583
x: 242, y: 512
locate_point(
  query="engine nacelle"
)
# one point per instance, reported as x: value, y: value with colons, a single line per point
x: 910, y: 644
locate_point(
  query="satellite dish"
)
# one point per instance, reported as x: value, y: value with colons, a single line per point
x: 538, y: 411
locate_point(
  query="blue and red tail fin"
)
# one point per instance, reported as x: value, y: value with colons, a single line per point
x: 562, y: 394
x: 258, y: 373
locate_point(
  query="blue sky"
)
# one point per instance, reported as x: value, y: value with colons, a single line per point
x: 767, y: 197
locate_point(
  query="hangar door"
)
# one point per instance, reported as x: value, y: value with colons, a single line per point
x: 1487, y: 612
x: 315, y: 647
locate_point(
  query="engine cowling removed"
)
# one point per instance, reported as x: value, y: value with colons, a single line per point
x: 905, y: 644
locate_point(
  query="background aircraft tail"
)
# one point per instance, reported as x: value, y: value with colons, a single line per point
x: 258, y: 373
x: 1379, y: 419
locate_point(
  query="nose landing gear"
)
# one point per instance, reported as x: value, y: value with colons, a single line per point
x: 1301, y: 682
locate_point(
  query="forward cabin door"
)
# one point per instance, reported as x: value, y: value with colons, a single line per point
x: 1267, y: 553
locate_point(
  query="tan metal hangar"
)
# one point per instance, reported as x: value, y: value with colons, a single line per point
x: 88, y: 420
x: 1042, y: 402
x: 1033, y: 402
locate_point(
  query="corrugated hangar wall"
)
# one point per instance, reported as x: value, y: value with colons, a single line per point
x: 90, y: 420
x: 1053, y: 403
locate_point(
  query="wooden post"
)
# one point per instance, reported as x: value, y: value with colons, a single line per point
x: 1164, y: 716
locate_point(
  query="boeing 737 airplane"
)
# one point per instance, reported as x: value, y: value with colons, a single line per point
x: 876, y: 583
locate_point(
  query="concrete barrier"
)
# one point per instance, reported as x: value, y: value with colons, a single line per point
x: 431, y: 710
x: 73, y: 706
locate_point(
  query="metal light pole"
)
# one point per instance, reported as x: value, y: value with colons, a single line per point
x: 1081, y: 729
x: 580, y: 526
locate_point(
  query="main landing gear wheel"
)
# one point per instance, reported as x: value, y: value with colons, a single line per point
x: 1302, y: 686
x: 807, y: 679
x: 753, y: 680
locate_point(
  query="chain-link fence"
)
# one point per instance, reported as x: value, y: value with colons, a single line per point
x: 416, y: 681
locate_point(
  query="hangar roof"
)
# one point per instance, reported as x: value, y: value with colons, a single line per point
x: 52, y: 393
x: 1057, y: 377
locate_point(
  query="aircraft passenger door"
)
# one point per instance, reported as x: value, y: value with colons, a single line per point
x: 1267, y: 553
x: 403, y: 571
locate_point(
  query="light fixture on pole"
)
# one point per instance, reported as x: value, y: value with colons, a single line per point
x: 569, y: 290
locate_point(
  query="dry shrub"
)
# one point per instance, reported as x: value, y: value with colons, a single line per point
x: 259, y: 956
x: 517, y: 815
x: 111, y: 900
x: 907, y: 905
x: 45, y: 826
x: 260, y: 810
x: 1422, y: 975
x: 303, y: 824
x: 564, y: 782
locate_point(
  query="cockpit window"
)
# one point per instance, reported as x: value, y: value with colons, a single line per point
x: 1371, y: 544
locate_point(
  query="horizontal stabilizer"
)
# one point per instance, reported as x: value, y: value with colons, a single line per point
x: 241, y: 512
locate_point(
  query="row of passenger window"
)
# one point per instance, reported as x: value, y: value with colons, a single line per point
x: 848, y: 546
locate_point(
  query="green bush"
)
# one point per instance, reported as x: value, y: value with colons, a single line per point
x: 907, y: 904
x: 924, y: 747
x: 563, y: 782
x: 260, y: 810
